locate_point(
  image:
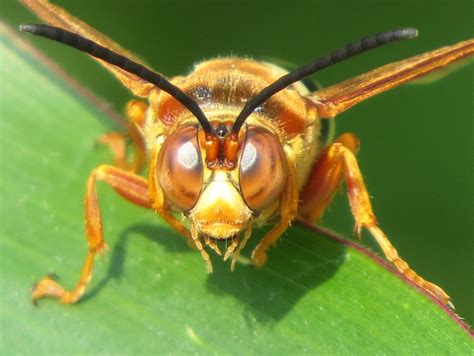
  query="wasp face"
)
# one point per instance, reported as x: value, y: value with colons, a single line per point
x: 221, y: 201
x: 220, y: 211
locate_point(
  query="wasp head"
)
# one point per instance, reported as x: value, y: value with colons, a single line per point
x: 220, y: 181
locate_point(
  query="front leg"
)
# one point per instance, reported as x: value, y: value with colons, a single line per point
x: 130, y: 186
x: 336, y: 162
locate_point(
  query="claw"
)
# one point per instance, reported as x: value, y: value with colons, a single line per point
x: 46, y: 287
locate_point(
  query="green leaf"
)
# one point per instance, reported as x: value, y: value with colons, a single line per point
x: 151, y: 293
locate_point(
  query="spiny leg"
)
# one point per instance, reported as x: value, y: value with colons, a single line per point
x: 247, y: 233
x: 130, y: 186
x: 392, y: 255
x: 116, y: 141
x: 335, y: 162
x: 200, y: 247
x: 288, y: 210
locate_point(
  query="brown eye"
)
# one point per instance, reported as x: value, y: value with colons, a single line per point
x: 262, y: 168
x: 179, y: 167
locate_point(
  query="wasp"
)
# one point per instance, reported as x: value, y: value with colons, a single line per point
x: 235, y: 144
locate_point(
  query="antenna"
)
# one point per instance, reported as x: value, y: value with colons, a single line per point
x: 339, y: 55
x: 85, y: 45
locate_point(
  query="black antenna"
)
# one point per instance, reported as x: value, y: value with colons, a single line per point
x: 334, y: 57
x: 83, y: 44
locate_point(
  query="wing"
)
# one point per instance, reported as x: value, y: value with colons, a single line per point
x: 335, y: 99
x: 56, y: 16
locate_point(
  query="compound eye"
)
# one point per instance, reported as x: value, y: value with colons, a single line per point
x: 262, y: 168
x: 179, y: 168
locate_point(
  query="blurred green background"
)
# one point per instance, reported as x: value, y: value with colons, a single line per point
x: 417, y: 151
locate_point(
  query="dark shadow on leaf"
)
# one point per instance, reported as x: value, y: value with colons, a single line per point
x: 301, y: 262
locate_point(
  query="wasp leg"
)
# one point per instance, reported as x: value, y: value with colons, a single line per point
x: 325, y: 178
x: 116, y: 141
x: 335, y: 162
x: 288, y: 210
x: 130, y: 186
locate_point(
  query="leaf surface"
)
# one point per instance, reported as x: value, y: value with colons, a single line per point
x: 151, y: 293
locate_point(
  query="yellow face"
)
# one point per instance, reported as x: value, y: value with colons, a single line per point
x: 220, y: 211
x: 220, y: 201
